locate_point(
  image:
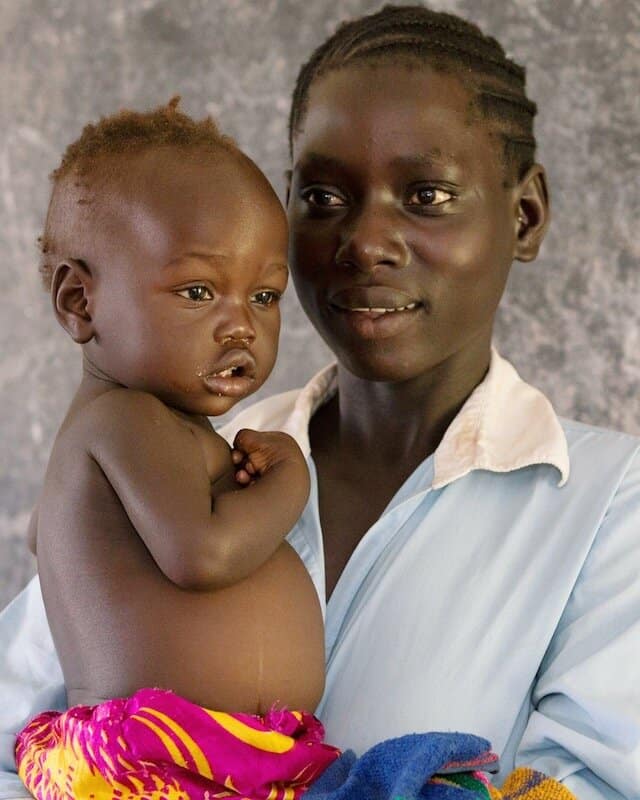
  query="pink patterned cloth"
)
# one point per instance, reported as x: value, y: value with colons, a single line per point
x: 156, y: 745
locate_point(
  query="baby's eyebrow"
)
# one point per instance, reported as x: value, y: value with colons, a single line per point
x: 213, y: 257
x: 199, y: 256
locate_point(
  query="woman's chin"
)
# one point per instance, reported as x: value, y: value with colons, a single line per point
x: 379, y: 367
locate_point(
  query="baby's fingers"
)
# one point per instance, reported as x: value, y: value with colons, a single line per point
x: 237, y: 456
x: 243, y: 477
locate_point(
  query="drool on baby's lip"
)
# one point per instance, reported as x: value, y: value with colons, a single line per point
x: 234, y: 363
x: 233, y: 375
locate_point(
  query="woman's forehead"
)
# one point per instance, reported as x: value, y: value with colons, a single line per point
x: 395, y: 112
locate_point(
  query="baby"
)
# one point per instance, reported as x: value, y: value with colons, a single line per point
x: 160, y: 550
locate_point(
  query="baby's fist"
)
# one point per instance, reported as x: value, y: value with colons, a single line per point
x: 256, y: 452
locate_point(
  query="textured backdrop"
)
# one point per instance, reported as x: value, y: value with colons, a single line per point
x: 569, y: 321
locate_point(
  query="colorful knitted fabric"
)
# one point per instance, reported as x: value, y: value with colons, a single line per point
x: 475, y: 782
x: 430, y: 766
x: 527, y: 784
x: 521, y: 784
x: 157, y: 746
x: 439, y: 766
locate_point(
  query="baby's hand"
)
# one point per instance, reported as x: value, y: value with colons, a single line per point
x: 254, y: 453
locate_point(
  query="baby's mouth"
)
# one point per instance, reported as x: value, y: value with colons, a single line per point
x: 230, y: 372
x: 233, y: 376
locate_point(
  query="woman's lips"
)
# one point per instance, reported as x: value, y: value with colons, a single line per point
x: 372, y: 298
x: 375, y: 312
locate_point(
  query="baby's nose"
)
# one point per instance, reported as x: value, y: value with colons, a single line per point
x: 235, y: 326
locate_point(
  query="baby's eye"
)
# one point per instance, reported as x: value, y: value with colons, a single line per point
x: 322, y: 198
x: 266, y: 297
x: 429, y: 196
x: 197, y: 294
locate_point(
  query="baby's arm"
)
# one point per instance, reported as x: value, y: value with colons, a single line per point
x: 157, y: 467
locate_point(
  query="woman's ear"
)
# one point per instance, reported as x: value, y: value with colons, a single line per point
x: 71, y: 289
x: 533, y: 213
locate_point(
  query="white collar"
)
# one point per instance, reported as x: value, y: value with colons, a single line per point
x: 504, y: 425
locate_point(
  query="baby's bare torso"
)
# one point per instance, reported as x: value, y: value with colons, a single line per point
x: 119, y: 624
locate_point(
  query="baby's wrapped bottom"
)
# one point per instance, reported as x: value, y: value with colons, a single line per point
x: 158, y: 746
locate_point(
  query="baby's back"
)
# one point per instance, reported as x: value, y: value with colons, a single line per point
x: 119, y: 624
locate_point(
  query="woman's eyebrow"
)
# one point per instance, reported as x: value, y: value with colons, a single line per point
x: 319, y: 161
x: 428, y: 159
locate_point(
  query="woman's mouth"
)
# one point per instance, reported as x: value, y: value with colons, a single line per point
x: 377, y: 311
x: 374, y: 312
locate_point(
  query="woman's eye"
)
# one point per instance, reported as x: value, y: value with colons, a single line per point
x: 197, y: 294
x: 266, y: 297
x: 322, y: 198
x: 429, y: 196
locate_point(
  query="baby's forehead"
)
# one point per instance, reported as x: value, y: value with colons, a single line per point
x: 149, y: 202
x: 111, y: 186
x: 130, y: 173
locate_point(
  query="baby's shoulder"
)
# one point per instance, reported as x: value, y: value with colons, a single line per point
x: 128, y: 402
x: 122, y: 410
x: 124, y: 418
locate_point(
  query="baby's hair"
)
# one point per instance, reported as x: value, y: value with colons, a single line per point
x: 417, y: 34
x: 128, y: 132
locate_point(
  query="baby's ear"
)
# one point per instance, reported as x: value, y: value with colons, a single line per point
x: 71, y: 289
x: 533, y: 213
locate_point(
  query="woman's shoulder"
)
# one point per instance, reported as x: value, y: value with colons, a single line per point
x: 584, y: 434
x: 601, y: 456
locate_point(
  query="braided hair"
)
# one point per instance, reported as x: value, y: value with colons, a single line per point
x: 415, y: 34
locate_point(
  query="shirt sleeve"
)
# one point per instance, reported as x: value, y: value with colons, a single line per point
x: 585, y: 726
x: 30, y: 678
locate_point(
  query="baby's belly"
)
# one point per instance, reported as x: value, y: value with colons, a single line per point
x: 243, y: 648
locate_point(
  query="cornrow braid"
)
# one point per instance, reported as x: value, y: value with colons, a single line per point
x: 127, y: 132
x: 443, y: 41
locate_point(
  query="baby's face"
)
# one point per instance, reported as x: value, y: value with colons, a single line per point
x: 190, y: 266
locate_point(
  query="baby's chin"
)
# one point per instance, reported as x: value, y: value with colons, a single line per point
x: 212, y: 401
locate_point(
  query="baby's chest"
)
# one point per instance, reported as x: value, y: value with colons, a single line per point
x: 215, y: 452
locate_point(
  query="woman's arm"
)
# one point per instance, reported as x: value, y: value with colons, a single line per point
x: 30, y: 678
x: 585, y: 725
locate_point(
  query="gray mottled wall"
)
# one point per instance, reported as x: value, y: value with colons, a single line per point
x: 569, y: 321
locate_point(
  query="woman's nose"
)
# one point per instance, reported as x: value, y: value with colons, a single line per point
x: 234, y: 325
x: 373, y: 238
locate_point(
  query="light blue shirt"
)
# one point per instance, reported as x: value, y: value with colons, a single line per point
x: 498, y: 594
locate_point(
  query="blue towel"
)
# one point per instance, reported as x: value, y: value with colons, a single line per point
x: 399, y: 769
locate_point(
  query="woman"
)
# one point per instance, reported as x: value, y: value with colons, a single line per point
x: 479, y: 554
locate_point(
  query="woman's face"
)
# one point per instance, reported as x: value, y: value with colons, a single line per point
x: 403, y: 227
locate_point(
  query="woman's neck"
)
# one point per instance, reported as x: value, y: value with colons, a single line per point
x: 405, y: 420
